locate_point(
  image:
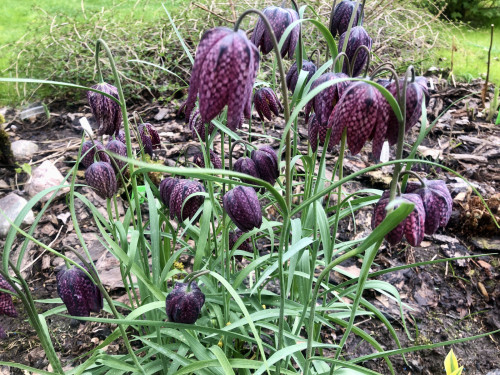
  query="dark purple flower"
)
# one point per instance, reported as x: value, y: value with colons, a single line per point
x: 317, y: 133
x: 324, y: 102
x: 197, y: 127
x: 224, y: 72
x: 88, y: 157
x: 106, y: 111
x: 121, y: 136
x: 266, y: 161
x: 422, y: 81
x: 341, y: 16
x: 293, y: 74
x: 247, y: 166
x: 412, y: 227
x: 6, y: 305
x: 119, y: 148
x: 149, y: 137
x: 364, y: 111
x: 80, y: 295
x: 199, y: 160
x: 414, y: 96
x: 183, y: 305
x: 243, y: 207
x: 266, y: 102
x: 279, y: 18
x: 437, y: 201
x: 102, y: 178
x: 180, y: 197
x: 234, y: 236
x: 358, y: 37
x: 166, y: 187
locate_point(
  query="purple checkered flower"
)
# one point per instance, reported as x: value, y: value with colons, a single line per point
x: 80, y: 295
x: 317, y: 133
x: 183, y: 305
x: 279, y: 18
x: 149, y: 137
x: 266, y: 103
x: 182, y: 205
x: 358, y: 37
x: 266, y: 161
x: 102, y: 178
x: 197, y: 127
x: 224, y: 72
x: 293, y: 74
x: 106, y: 111
x: 215, y: 159
x: 243, y: 207
x: 117, y: 147
x: 247, y: 166
x: 6, y: 305
x: 341, y: 16
x: 166, y: 187
x: 88, y: 157
x: 234, y: 236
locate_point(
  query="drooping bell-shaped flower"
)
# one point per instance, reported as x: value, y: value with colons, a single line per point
x: 117, y: 147
x: 234, y: 236
x: 224, y: 72
x: 437, y: 201
x: 243, y: 207
x: 341, y: 16
x: 199, y: 160
x: 412, y: 227
x: 293, y: 74
x: 247, y: 166
x: 182, y: 204
x: 166, y: 188
x: 91, y: 147
x: 121, y: 136
x: 357, y: 37
x: 266, y: 161
x: 324, y: 102
x: 80, y: 295
x: 106, y: 111
x: 197, y: 127
x: 422, y: 81
x: 183, y: 305
x: 6, y: 305
x: 266, y: 103
x: 279, y: 18
x: 415, y: 94
x: 317, y: 133
x: 102, y: 178
x: 149, y: 137
x: 364, y: 111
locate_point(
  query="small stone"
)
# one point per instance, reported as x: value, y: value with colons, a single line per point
x: 24, y: 150
x: 161, y: 114
x: 45, y: 176
x: 486, y: 244
x: 494, y: 372
x: 11, y: 205
x: 4, y: 185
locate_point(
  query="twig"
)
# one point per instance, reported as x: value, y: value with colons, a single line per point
x: 485, y: 87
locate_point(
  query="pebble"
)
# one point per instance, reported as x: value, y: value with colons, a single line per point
x: 24, y: 150
x: 45, y: 176
x: 11, y: 205
x: 494, y: 372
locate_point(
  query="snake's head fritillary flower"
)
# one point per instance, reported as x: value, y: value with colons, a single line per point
x: 197, y: 127
x: 415, y: 94
x: 364, y: 111
x: 199, y: 160
x: 89, y: 149
x: 293, y: 74
x: 106, y: 111
x: 279, y: 18
x: 266, y: 103
x: 80, y: 295
x: 243, y: 207
x: 437, y: 201
x: 166, y: 187
x: 266, y: 161
x: 119, y: 148
x: 317, y: 133
x: 121, y: 136
x: 183, y: 204
x: 102, y: 178
x: 412, y: 227
x: 183, y: 305
x: 149, y: 137
x: 324, y: 102
x: 341, y: 16
x: 247, y: 166
x: 422, y: 81
x: 357, y: 37
x: 6, y: 305
x: 224, y: 72
x: 234, y: 236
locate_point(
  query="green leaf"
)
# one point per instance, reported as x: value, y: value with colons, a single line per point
x: 221, y: 357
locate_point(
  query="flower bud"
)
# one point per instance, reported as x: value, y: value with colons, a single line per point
x: 183, y: 305
x: 266, y: 102
x: 88, y: 157
x: 102, y: 178
x: 118, y: 148
x: 243, y: 207
x: 6, y: 305
x: 234, y: 236
x: 149, y: 137
x: 80, y: 295
x: 106, y: 111
x: 199, y: 160
x: 197, y: 127
x: 341, y: 16
x: 357, y: 37
x: 293, y: 74
x: 180, y: 194
x: 266, y: 161
x: 247, y: 166
x: 166, y: 187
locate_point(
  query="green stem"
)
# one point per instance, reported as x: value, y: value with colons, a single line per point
x: 339, y: 194
x: 97, y: 63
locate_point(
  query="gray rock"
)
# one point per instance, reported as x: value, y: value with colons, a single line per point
x: 11, y: 205
x: 44, y: 177
x: 487, y: 244
x: 24, y: 150
x: 494, y: 372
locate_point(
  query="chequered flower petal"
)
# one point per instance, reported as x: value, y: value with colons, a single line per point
x: 243, y: 207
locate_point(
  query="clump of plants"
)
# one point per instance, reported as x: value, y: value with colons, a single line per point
x: 224, y: 317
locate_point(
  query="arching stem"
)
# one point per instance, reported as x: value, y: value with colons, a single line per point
x: 411, y: 173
